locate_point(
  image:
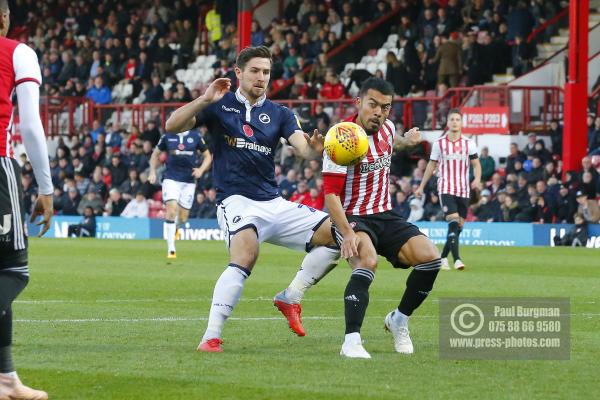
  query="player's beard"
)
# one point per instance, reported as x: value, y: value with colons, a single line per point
x: 368, y: 126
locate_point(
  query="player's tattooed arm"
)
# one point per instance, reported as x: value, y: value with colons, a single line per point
x: 409, y: 139
x: 154, y: 164
x: 206, y: 163
x: 184, y: 118
x: 431, y: 166
x: 307, y: 147
x: 349, y: 245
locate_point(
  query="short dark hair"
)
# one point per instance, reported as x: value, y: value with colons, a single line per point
x: 252, y: 52
x: 454, y: 111
x: 381, y: 85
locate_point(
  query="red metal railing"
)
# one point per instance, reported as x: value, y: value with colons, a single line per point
x: 531, y: 109
x: 552, y: 21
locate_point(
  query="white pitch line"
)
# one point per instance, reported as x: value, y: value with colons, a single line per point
x: 182, y: 300
x: 197, y: 319
x: 204, y: 299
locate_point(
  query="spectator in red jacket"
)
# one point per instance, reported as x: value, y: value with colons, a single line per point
x: 333, y: 88
x: 315, y: 199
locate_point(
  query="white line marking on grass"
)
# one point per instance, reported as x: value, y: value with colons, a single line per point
x: 182, y: 300
x: 197, y: 319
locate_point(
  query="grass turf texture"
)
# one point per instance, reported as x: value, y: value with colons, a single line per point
x: 115, y: 320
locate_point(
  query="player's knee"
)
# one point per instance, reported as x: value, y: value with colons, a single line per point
x: 369, y: 262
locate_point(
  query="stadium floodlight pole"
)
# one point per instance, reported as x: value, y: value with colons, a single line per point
x: 244, y: 24
x: 575, y: 106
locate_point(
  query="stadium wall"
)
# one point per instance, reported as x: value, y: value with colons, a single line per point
x: 474, y: 233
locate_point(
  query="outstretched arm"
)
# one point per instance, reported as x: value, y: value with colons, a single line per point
x: 307, y: 147
x: 409, y: 139
x: 184, y: 118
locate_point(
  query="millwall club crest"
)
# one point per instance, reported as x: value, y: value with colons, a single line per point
x: 248, y: 130
x: 264, y: 118
x: 181, y: 146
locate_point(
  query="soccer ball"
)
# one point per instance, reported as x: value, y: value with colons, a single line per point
x: 346, y: 143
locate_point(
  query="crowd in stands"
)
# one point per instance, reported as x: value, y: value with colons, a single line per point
x: 108, y: 172
x: 87, y: 48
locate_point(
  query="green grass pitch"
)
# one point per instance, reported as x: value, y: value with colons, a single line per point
x: 114, y: 320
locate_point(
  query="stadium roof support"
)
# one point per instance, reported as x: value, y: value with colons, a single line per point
x: 575, y: 107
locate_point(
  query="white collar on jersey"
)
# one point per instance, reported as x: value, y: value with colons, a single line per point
x: 242, y: 99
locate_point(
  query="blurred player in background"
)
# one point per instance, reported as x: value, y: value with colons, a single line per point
x: 245, y: 129
x: 360, y: 206
x: 454, y: 154
x: 179, y: 179
x: 20, y: 72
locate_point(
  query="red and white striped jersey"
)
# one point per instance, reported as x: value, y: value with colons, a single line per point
x: 454, y: 159
x: 18, y: 64
x: 366, y: 187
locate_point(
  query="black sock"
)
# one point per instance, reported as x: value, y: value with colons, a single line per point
x: 446, y: 249
x: 451, y: 240
x: 456, y: 243
x: 6, y: 362
x: 356, y: 298
x: 11, y: 284
x: 418, y: 285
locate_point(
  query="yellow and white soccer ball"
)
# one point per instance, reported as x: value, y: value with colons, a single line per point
x: 346, y: 143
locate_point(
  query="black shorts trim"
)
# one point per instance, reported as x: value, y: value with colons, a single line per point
x: 308, y: 247
x: 454, y: 205
x: 13, y: 239
x: 388, y: 231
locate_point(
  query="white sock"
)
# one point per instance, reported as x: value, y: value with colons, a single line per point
x: 400, y: 318
x: 170, y: 228
x: 226, y: 295
x: 353, y: 337
x: 316, y: 264
x: 12, y: 375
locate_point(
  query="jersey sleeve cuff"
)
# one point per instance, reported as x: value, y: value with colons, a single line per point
x: 23, y: 80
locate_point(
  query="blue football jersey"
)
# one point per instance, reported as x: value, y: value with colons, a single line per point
x: 243, y: 142
x: 182, y: 149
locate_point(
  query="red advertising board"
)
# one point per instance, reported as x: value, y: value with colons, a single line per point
x: 478, y: 120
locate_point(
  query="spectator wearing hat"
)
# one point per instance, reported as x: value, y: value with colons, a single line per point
x: 587, y: 208
x: 577, y: 236
x: 87, y: 227
x: 565, y: 206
